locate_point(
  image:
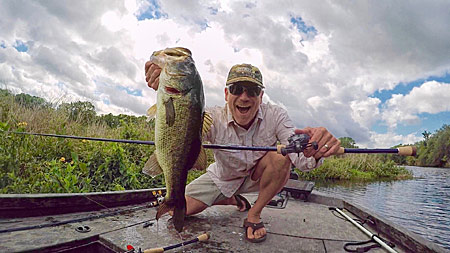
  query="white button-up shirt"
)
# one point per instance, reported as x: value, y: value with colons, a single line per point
x: 272, y: 124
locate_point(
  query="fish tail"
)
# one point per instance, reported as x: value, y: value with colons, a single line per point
x: 179, y: 214
x: 163, y: 208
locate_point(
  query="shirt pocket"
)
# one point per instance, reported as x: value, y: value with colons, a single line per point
x: 231, y: 162
x: 263, y: 141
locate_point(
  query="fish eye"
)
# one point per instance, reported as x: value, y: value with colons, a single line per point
x: 174, y: 54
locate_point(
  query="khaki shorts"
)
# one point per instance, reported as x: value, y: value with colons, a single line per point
x: 204, y: 189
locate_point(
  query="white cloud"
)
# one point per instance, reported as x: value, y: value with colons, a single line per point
x: 388, y: 140
x: 366, y: 111
x: 431, y: 97
x: 96, y: 52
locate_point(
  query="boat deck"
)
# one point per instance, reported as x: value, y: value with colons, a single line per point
x: 299, y: 227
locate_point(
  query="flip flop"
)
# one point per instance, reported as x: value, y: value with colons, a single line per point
x: 254, y: 226
x: 239, y: 199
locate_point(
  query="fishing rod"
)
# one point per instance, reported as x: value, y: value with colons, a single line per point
x: 297, y: 143
x: 200, y: 238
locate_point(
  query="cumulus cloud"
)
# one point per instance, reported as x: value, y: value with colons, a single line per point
x: 389, y: 139
x: 431, y: 97
x: 67, y: 50
x: 321, y: 61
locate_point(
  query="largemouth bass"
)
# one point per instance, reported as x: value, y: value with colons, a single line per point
x: 179, y: 114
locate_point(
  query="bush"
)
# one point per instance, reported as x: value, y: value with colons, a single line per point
x: 356, y: 166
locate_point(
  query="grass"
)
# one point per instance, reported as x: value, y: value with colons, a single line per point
x: 30, y: 164
x: 356, y: 167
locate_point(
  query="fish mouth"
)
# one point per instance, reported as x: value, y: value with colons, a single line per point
x: 172, y: 91
x: 243, y: 109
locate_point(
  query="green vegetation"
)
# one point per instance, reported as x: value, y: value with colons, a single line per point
x: 30, y: 164
x: 357, y: 167
x: 433, y: 150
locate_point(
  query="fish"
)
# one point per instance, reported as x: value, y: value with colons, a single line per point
x: 180, y: 123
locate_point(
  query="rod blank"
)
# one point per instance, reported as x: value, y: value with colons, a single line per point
x: 405, y: 151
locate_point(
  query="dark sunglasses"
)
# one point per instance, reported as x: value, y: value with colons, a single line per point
x: 238, y: 89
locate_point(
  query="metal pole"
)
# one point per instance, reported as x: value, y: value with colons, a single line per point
x: 367, y: 232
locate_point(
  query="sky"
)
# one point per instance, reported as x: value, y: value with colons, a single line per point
x: 375, y: 71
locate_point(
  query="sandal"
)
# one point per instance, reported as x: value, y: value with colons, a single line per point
x: 239, y: 199
x: 254, y: 226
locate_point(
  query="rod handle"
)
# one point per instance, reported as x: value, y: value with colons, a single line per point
x: 203, y: 237
x: 154, y: 250
x: 407, y: 150
x: 340, y: 151
x: 279, y: 147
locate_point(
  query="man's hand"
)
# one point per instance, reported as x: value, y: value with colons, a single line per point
x: 328, y: 144
x: 152, y: 72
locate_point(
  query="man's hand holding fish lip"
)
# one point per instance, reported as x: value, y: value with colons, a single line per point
x: 246, y: 120
x: 152, y: 72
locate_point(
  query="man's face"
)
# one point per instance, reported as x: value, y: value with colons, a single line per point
x: 243, y: 107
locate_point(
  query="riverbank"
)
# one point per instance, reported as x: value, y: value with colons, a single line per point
x: 356, y: 167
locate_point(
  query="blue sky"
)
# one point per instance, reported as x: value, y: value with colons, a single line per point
x: 428, y: 121
x: 361, y: 69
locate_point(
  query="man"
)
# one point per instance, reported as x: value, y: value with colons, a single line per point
x: 245, y: 120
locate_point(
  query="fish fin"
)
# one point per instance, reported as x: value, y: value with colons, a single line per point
x: 151, y: 112
x: 178, y: 216
x: 170, y: 112
x: 162, y: 209
x: 202, y: 160
x: 207, y: 122
x: 152, y: 167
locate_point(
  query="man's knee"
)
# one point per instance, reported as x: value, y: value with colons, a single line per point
x: 273, y: 163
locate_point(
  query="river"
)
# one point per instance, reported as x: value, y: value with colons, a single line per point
x: 422, y: 205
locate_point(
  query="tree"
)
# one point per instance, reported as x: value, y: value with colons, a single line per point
x: 347, y: 142
x: 28, y: 101
x: 83, y: 112
x: 426, y: 135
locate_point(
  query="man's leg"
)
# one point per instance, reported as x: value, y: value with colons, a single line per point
x: 194, y: 206
x: 203, y: 192
x: 273, y: 171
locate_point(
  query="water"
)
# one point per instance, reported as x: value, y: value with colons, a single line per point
x: 421, y: 205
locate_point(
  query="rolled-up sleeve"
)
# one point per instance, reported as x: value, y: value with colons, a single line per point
x: 285, y: 129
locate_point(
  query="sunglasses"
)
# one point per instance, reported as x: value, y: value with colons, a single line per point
x: 238, y: 89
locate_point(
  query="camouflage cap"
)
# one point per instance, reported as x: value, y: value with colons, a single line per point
x: 245, y: 72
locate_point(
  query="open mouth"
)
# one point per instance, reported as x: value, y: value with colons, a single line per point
x: 243, y: 109
x: 171, y: 90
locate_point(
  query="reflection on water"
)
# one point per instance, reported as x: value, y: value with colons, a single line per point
x: 421, y: 205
